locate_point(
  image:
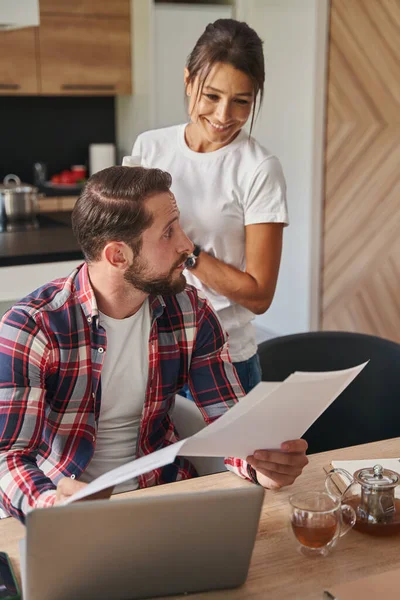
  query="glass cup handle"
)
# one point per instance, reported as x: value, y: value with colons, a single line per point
x: 351, y: 519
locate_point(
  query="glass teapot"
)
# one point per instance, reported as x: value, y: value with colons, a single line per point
x: 371, y: 492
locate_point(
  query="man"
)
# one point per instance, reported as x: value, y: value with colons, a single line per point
x: 90, y: 364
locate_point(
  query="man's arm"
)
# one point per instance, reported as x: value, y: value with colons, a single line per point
x: 215, y: 388
x: 213, y: 381
x: 24, y: 355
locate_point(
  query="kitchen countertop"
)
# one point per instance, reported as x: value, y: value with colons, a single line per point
x: 55, y: 204
x: 52, y: 242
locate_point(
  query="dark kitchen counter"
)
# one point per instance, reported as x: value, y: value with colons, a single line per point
x: 52, y: 242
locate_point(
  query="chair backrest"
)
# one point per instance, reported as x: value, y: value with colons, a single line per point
x: 369, y: 409
x: 188, y: 421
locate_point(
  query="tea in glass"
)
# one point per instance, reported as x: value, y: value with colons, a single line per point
x: 317, y: 521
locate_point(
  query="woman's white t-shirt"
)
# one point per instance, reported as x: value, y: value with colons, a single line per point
x: 218, y: 194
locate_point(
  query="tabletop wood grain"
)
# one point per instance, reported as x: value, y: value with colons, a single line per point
x: 277, y: 571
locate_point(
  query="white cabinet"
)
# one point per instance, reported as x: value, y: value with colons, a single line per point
x: 18, y: 281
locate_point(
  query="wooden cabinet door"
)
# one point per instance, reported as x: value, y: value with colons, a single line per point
x: 85, y: 55
x: 119, y: 8
x: 18, y: 62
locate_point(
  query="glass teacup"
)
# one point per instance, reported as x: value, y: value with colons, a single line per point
x: 318, y: 520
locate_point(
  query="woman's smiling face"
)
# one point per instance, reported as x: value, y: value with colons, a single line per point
x: 222, y: 108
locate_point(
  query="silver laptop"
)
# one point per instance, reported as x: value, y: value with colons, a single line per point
x: 143, y: 546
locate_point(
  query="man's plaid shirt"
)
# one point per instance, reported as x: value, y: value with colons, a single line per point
x: 51, y: 354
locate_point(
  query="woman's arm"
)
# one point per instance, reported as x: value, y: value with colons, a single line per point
x: 254, y: 289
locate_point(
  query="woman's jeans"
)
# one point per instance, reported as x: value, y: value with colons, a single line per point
x: 248, y: 371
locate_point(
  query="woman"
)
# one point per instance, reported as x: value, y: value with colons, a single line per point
x: 230, y: 190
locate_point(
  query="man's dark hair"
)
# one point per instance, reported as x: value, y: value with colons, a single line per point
x: 111, y: 208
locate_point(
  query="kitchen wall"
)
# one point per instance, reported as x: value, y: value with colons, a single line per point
x: 4, y: 306
x: 163, y: 34
x: 292, y: 125
x: 134, y: 114
x: 169, y: 106
x: 54, y: 130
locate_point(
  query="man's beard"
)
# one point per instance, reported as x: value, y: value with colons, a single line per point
x: 164, y: 286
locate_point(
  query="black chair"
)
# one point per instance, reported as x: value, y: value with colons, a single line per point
x: 368, y: 409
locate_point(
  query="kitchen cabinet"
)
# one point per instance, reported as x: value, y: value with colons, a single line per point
x: 82, y: 47
x: 117, y: 8
x: 18, y: 62
x: 19, y: 280
x: 84, y: 55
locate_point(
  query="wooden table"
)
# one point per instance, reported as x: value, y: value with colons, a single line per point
x: 277, y: 571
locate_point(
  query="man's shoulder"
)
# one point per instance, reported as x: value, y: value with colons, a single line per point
x: 188, y: 302
x: 51, y: 296
x: 190, y: 314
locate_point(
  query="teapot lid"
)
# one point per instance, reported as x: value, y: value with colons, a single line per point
x: 377, y: 477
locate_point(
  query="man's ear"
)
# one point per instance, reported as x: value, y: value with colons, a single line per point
x: 118, y: 255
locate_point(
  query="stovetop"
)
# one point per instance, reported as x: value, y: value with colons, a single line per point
x: 53, y: 241
x: 42, y: 221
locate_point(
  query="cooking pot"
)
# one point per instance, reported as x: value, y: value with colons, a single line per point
x: 18, y: 203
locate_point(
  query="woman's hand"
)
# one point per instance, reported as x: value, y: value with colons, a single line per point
x: 255, y: 288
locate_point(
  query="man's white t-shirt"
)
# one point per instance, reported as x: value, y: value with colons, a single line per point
x: 123, y: 389
x: 218, y: 194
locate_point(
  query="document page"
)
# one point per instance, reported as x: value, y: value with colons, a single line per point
x: 381, y: 585
x: 266, y: 417
x: 147, y: 463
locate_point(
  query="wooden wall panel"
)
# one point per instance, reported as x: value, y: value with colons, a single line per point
x: 361, y: 248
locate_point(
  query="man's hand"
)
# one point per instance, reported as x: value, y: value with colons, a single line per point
x: 66, y: 487
x: 277, y: 468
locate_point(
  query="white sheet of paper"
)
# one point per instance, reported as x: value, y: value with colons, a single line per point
x: 269, y: 415
x: 137, y: 467
x: 353, y: 465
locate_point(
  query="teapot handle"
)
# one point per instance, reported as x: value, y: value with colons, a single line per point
x: 337, y: 482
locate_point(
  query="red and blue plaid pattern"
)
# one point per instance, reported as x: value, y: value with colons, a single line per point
x: 51, y: 354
